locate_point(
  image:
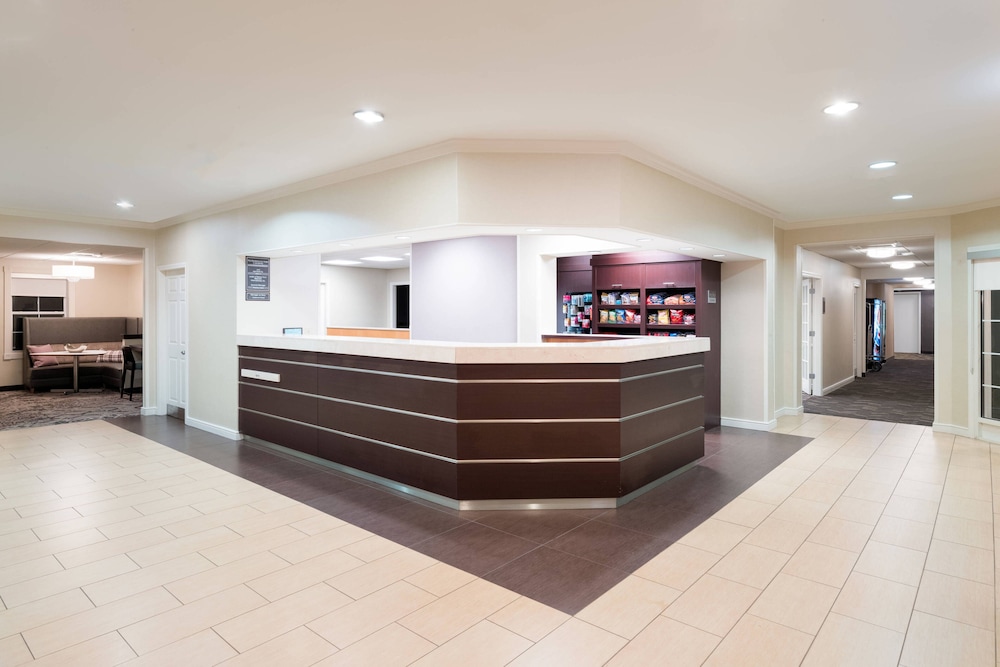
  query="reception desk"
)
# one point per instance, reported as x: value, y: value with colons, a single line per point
x: 479, y: 426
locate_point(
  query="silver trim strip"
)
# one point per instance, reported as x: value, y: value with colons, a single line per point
x: 658, y: 444
x: 575, y: 460
x: 662, y: 407
x: 431, y: 378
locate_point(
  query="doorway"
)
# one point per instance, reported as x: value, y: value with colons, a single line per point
x: 906, y: 322
x: 401, y: 305
x: 173, y: 330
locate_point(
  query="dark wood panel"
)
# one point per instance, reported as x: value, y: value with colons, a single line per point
x: 649, y: 429
x: 640, y: 470
x: 421, y: 472
x: 293, y: 376
x: 638, y: 257
x: 412, y: 394
x: 484, y: 481
x: 574, y: 281
x: 545, y: 440
x: 576, y: 400
x: 574, y: 263
x: 401, y: 366
x: 709, y: 325
x: 624, y: 276
x: 647, y: 393
x: 670, y: 275
x: 635, y: 368
x: 283, y: 355
x: 537, y: 371
x: 282, y: 404
x: 421, y: 433
x: 299, y: 437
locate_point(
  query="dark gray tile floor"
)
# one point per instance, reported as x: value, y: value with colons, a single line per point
x: 563, y: 558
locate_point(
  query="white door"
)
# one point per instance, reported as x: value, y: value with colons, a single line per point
x: 906, y: 322
x: 808, y: 335
x: 177, y: 338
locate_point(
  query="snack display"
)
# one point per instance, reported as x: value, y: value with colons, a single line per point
x: 676, y: 316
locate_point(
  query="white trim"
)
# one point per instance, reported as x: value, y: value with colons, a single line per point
x: 749, y: 424
x: 837, y: 385
x: 788, y: 412
x: 951, y: 429
x: 229, y: 433
x: 146, y: 412
x: 988, y: 430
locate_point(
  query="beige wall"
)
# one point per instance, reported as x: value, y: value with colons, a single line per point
x: 837, y: 326
x: 115, y: 290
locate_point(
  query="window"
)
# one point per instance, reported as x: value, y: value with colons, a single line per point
x: 990, y: 346
x: 32, y: 296
x: 23, y: 307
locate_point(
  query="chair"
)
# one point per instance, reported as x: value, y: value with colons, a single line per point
x: 129, y: 364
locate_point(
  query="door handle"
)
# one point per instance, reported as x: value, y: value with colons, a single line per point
x: 183, y: 351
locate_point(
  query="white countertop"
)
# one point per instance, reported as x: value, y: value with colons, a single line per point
x: 639, y: 348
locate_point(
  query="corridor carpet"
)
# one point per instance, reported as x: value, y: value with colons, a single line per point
x: 902, y: 392
x: 22, y: 409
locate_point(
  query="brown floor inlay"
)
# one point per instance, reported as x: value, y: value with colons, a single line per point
x: 565, y: 558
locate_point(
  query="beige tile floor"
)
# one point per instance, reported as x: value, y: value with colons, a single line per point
x: 873, y: 545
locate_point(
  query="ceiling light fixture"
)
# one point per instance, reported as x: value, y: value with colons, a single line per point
x: 841, y: 108
x: 686, y: 249
x: 72, y: 272
x: 721, y: 254
x: 902, y: 197
x: 881, y: 252
x: 885, y: 164
x: 369, y: 116
x: 124, y: 204
x: 902, y: 266
x: 381, y: 258
x: 342, y: 262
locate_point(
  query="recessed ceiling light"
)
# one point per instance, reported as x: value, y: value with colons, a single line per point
x: 342, y: 262
x: 885, y: 164
x: 881, y: 252
x: 382, y: 258
x: 902, y: 266
x: 840, y: 108
x: 721, y: 254
x: 687, y: 249
x: 902, y: 197
x: 406, y: 254
x: 124, y: 204
x: 369, y: 116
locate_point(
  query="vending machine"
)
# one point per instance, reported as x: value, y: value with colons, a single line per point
x: 876, y: 334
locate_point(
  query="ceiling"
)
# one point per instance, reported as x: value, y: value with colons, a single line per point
x: 51, y: 251
x: 188, y: 105
x: 920, y: 251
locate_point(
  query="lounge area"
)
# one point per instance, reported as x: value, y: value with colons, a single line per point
x: 99, y: 360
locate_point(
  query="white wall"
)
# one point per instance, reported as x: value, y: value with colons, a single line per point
x: 836, y: 327
x: 356, y: 297
x: 744, y: 344
x: 464, y: 290
x: 294, y: 299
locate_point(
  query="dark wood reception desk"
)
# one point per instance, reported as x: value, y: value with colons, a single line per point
x: 482, y: 426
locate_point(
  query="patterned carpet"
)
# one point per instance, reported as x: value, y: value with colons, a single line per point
x: 902, y: 392
x: 22, y: 409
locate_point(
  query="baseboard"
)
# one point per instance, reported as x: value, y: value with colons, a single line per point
x: 951, y: 429
x: 213, y: 428
x: 751, y: 425
x: 789, y: 412
x: 834, y: 387
x: 145, y: 412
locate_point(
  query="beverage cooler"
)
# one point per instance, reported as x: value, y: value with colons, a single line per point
x: 875, y: 351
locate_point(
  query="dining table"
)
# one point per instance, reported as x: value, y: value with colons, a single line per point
x: 76, y: 361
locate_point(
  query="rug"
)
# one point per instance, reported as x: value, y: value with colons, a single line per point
x: 902, y: 392
x: 22, y: 409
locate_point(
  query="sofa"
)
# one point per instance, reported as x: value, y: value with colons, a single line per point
x: 104, y: 333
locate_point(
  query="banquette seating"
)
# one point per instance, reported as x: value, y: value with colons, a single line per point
x: 106, y: 333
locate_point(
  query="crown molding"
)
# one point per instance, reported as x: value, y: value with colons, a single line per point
x: 75, y: 219
x: 945, y: 212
